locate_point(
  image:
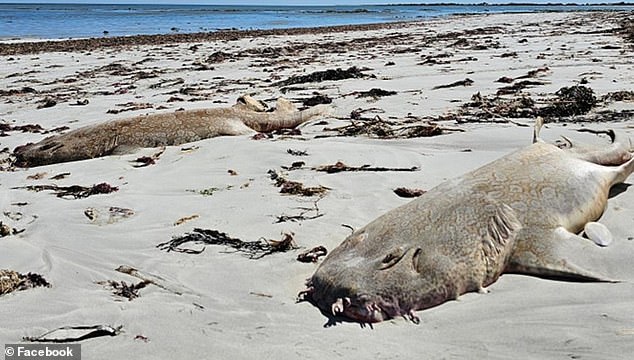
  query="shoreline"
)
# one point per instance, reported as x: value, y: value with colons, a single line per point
x: 69, y: 45
x: 17, y: 46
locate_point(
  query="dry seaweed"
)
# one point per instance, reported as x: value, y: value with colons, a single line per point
x: 606, y: 115
x: 409, y: 193
x: 143, y: 338
x: 574, y: 103
x: 83, y: 333
x: 505, y: 80
x: 297, y: 152
x: 185, y: 219
x: 144, y: 161
x: 37, y: 176
x: 130, y: 106
x: 618, y: 96
x: 295, y: 187
x: 153, y: 279
x: 47, y: 103
x: 433, y: 59
x: 326, y: 75
x: 6, y: 230
x: 376, y: 127
x: 122, y: 289
x: 340, y: 167
x: 56, y: 130
x: 11, y: 281
x: 294, y: 166
x: 374, y: 93
x: 22, y: 91
x: 357, y: 113
x: 465, y: 82
x: 30, y: 128
x: 570, y: 101
x: 60, y: 176
x: 485, y: 108
x: 533, y: 73
x: 167, y: 83
x: 317, y: 100
x: 302, y: 215
x: 251, y: 249
x: 75, y: 191
x: 518, y: 86
x: 83, y: 102
x: 296, y: 218
x: 312, y: 255
x: 383, y: 129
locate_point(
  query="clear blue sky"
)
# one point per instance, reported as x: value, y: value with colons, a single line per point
x: 295, y: 2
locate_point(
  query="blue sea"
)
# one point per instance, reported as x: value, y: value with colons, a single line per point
x: 57, y: 21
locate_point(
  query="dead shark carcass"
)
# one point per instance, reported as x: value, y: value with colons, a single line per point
x: 122, y: 136
x: 520, y: 213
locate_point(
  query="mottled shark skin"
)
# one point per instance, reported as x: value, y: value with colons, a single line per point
x: 521, y: 213
x: 122, y: 136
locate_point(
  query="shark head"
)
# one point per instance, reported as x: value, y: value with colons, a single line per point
x: 369, y: 285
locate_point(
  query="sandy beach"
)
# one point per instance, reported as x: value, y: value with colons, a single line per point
x: 420, y: 102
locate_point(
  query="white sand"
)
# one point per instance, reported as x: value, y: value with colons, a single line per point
x: 234, y: 307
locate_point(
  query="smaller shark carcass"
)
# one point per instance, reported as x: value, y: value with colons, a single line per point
x: 124, y: 136
x: 521, y: 213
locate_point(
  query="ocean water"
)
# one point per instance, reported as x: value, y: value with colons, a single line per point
x: 57, y: 21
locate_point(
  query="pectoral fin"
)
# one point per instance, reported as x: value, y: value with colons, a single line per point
x: 557, y: 253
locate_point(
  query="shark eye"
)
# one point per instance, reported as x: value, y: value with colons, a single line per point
x: 392, y: 258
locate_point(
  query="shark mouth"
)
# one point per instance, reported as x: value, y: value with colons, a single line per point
x: 361, y: 308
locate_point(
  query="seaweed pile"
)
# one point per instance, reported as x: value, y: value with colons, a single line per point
x: 570, y: 101
x: 491, y: 107
x: 575, y: 103
x: 383, y: 129
x: 325, y: 75
x: 11, y: 281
